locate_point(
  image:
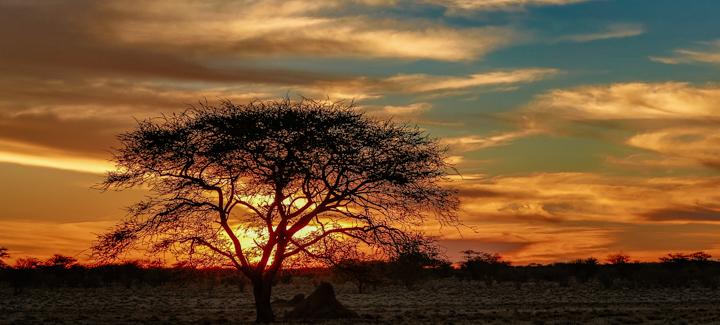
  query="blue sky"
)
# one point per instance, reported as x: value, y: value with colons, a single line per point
x: 581, y: 127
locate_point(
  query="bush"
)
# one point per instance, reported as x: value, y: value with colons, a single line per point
x: 486, y: 267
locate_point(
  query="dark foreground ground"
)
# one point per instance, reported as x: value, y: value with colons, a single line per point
x: 447, y: 301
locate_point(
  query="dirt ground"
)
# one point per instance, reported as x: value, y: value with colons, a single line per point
x: 447, y: 301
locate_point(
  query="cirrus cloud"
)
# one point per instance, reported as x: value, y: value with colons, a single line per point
x: 674, y: 119
x: 560, y: 216
x: 708, y: 52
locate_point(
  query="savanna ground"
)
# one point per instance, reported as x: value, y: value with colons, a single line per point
x: 436, y: 301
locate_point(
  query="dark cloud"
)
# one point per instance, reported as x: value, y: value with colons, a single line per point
x: 698, y: 214
x: 58, y: 196
x: 69, y: 39
x: 84, y: 137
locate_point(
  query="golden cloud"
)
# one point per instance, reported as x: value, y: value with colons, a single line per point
x: 416, y: 83
x: 412, y: 109
x: 641, y: 161
x: 559, y: 197
x: 364, y: 87
x: 474, y: 142
x: 33, y: 155
x: 294, y: 29
x: 560, y: 216
x: 699, y: 144
x: 670, y: 100
x: 614, y: 31
x: 456, y: 5
x: 677, y: 120
x: 709, y: 52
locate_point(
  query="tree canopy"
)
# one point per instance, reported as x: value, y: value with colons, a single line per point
x: 253, y: 185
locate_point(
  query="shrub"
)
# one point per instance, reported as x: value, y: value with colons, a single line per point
x: 618, y: 258
x: 485, y: 266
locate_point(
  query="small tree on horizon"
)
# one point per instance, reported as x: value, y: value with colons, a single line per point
x: 4, y: 255
x: 681, y: 257
x: 256, y: 185
x: 59, y: 260
x: 618, y: 258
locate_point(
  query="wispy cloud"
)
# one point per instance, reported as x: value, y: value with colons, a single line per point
x: 33, y: 155
x: 412, y: 109
x: 491, y: 5
x: 707, y: 52
x: 677, y: 120
x: 699, y: 144
x: 568, y: 215
x: 295, y: 28
x: 426, y: 84
x: 629, y: 101
x: 418, y: 83
x: 475, y: 142
x: 642, y: 161
x: 613, y: 31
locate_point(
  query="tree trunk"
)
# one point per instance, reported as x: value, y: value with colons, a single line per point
x: 261, y: 291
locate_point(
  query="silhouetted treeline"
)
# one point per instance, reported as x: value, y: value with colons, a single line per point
x: 491, y: 269
x: 131, y: 274
x: 676, y: 270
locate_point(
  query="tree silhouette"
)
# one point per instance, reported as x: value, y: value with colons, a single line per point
x: 61, y: 261
x: 618, y: 258
x: 255, y: 185
x: 3, y: 255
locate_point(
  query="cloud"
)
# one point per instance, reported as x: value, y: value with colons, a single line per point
x: 554, y: 197
x: 404, y: 111
x: 559, y: 216
x: 630, y: 101
x: 77, y: 38
x: 77, y: 120
x: 432, y: 84
x: 699, y: 143
x: 33, y: 155
x: 614, y: 31
x: 677, y: 120
x: 708, y: 52
x: 700, y: 214
x: 492, y: 5
x: 296, y: 28
x: 418, y: 83
x: 474, y: 142
x: 674, y: 119
x: 643, y: 160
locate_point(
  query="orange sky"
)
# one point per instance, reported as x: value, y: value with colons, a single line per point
x: 580, y: 127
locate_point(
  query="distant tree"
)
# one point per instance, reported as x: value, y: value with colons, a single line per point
x: 700, y: 256
x: 484, y: 266
x: 27, y: 262
x: 63, y: 261
x: 255, y: 185
x: 680, y: 257
x: 4, y: 255
x: 415, y: 258
x: 586, y: 261
x: 618, y: 258
x: 361, y: 273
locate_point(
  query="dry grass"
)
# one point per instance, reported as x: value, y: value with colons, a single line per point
x: 447, y: 301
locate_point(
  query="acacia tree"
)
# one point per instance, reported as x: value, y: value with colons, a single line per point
x: 618, y: 258
x: 3, y: 255
x: 258, y: 184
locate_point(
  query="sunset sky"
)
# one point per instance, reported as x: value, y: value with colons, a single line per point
x: 580, y: 127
